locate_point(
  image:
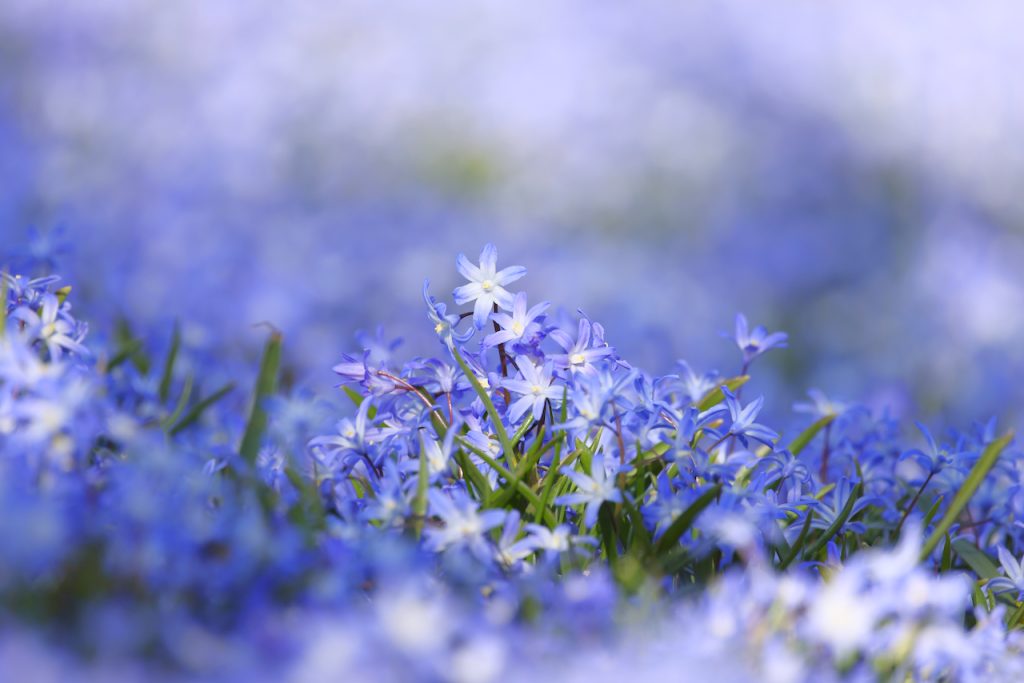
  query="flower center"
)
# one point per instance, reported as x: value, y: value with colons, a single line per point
x: 536, y: 389
x: 487, y: 285
x: 438, y: 328
x: 577, y: 359
x: 48, y: 330
x: 517, y: 327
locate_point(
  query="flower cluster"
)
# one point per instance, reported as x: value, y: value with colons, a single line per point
x: 528, y: 490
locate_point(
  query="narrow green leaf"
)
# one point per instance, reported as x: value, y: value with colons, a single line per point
x: 639, y: 539
x: 196, y: 411
x: 419, y: 502
x: 475, y: 476
x: 499, y: 427
x: 805, y: 437
x: 127, y: 352
x: 266, y: 385
x: 798, y: 544
x: 62, y: 294
x: 3, y: 304
x: 183, y: 399
x: 1015, y: 618
x: 715, y: 396
x: 932, y: 512
x: 509, y: 477
x: 686, y: 518
x: 607, y: 531
x: 310, y: 506
x: 168, y: 373
x: 529, y: 461
x: 837, y: 524
x: 354, y: 395
x: 970, y: 486
x: 947, y: 556
x: 978, y: 561
x: 549, y: 479
x: 527, y: 423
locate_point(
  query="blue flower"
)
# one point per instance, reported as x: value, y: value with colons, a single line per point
x: 520, y: 326
x: 757, y: 341
x: 444, y: 325
x: 743, y: 425
x: 52, y: 326
x: 593, y: 490
x: 1014, y: 579
x: 696, y: 386
x: 581, y: 355
x: 486, y: 284
x: 535, y: 388
x: 464, y: 525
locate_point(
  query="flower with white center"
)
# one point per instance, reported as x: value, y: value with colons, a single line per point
x: 597, y: 488
x: 520, y: 326
x: 581, y: 355
x: 486, y: 284
x: 1013, y: 582
x: 465, y: 526
x: 50, y: 325
x: 535, y: 387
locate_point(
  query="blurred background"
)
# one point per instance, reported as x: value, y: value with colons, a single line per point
x: 847, y: 172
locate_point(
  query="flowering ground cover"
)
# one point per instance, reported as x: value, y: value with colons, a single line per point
x: 523, y: 504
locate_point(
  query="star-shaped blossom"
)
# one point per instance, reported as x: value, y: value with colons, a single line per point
x: 743, y: 425
x: 486, y: 284
x: 757, y: 341
x: 1013, y: 582
x: 594, y: 489
x: 464, y: 525
x: 444, y: 325
x: 581, y: 355
x: 520, y: 326
x: 535, y: 387
x: 51, y: 326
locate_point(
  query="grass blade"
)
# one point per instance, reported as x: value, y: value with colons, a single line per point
x: 266, y: 385
x: 200, y: 407
x: 168, y: 373
x: 685, y: 520
x: 970, y: 486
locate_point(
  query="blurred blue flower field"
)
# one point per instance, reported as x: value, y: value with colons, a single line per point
x: 241, y: 437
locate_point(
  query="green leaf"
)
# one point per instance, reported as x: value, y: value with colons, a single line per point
x: 419, y: 502
x: 186, y: 394
x: 499, y: 427
x: 794, y: 550
x: 3, y: 304
x: 527, y: 423
x: 200, y: 407
x: 309, y: 509
x: 533, y: 456
x: 509, y: 477
x: 715, y: 396
x: 976, y: 559
x: 62, y: 294
x: 607, y: 529
x: 1016, y: 617
x: 474, y: 475
x: 266, y: 386
x: 947, y: 556
x: 838, y: 523
x: 125, y: 338
x: 686, y: 518
x: 970, y: 486
x: 168, y: 373
x: 127, y: 352
x: 806, y: 436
